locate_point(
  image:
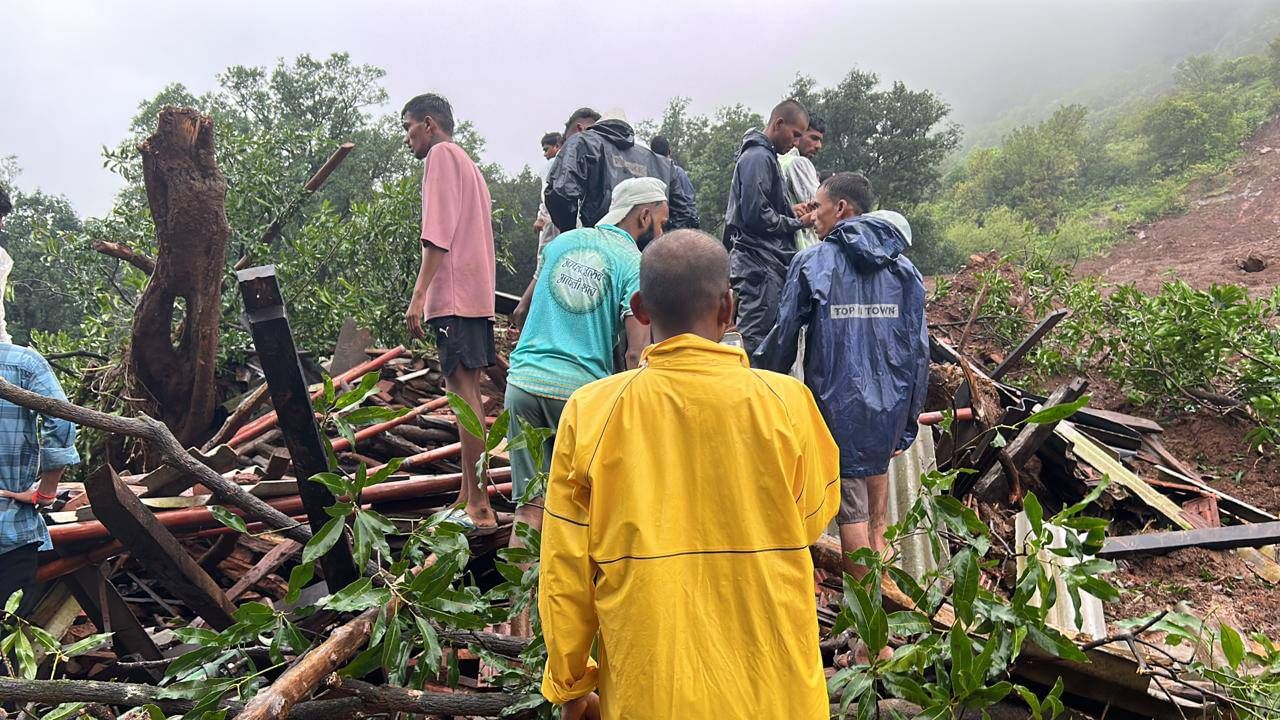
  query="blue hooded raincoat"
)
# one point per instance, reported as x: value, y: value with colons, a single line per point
x: 866, y: 345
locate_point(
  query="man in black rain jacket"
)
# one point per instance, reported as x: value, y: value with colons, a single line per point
x: 595, y: 160
x: 760, y: 225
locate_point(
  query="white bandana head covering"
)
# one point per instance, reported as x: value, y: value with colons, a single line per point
x: 630, y: 193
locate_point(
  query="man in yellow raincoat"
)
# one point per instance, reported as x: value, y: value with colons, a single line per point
x: 682, y: 501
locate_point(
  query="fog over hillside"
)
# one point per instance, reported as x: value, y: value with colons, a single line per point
x: 516, y: 71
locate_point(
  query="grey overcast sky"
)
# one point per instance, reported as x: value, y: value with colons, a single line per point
x: 72, y: 72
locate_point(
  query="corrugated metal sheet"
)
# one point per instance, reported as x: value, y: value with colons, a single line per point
x: 905, y: 470
x: 1093, y: 620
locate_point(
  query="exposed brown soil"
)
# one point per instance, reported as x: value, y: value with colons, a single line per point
x: 1229, y: 221
x: 1214, y: 585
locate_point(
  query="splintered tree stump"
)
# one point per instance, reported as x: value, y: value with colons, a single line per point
x: 175, y: 325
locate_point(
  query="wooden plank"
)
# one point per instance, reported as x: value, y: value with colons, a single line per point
x: 992, y: 483
x: 273, y: 339
x: 1027, y: 345
x: 1133, y: 422
x: 267, y: 565
x: 152, y: 545
x: 108, y: 611
x: 1218, y: 538
x: 1229, y: 504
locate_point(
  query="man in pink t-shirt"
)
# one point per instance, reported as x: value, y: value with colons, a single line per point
x: 454, y: 291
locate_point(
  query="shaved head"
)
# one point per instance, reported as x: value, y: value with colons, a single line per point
x: 788, y: 121
x: 790, y: 111
x: 684, y: 277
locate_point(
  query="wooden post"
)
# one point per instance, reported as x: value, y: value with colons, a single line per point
x: 1029, y: 344
x: 156, y: 548
x: 273, y: 338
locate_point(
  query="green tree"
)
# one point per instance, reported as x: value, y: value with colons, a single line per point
x: 1187, y: 129
x: 897, y: 136
x: 37, y: 298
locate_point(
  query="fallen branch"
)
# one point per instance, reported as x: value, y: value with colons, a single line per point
x: 504, y: 645
x: 238, y: 418
x: 120, y: 251
x: 162, y: 442
x: 319, y: 662
x: 53, y: 692
x: 391, y: 698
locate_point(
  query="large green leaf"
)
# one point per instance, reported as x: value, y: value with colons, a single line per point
x: 1057, y: 412
x: 322, y: 541
x: 228, y: 518
x: 466, y: 416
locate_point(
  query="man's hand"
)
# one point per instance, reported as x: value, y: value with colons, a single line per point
x: 538, y: 224
x: 413, y: 317
x: 804, y: 208
x: 586, y: 707
x: 26, y: 496
x: 809, y: 219
x: 520, y: 314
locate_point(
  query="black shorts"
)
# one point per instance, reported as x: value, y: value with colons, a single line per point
x: 464, y: 340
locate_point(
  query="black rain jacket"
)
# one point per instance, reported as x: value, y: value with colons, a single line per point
x: 595, y: 160
x: 759, y: 217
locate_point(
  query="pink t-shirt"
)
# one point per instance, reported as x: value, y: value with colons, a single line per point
x: 456, y: 218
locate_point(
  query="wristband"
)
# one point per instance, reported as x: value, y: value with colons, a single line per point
x: 40, y: 497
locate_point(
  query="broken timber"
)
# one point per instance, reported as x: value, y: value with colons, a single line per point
x: 1218, y: 538
x: 1028, y: 440
x: 151, y: 544
x: 1027, y: 345
x: 273, y: 338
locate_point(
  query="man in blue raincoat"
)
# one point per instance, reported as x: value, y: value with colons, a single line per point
x: 867, y: 347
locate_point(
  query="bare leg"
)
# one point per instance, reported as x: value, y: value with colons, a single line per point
x: 531, y: 514
x: 854, y: 536
x: 878, y: 505
x: 465, y: 383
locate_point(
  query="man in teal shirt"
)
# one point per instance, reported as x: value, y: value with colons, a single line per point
x: 581, y: 304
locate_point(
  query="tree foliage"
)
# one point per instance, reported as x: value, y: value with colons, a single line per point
x: 896, y: 136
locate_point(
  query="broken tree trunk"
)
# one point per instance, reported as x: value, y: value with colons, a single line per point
x: 157, y: 549
x: 174, y: 346
x: 394, y: 699
x: 53, y: 692
x: 273, y: 338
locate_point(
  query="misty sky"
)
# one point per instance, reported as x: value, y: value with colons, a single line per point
x: 75, y: 71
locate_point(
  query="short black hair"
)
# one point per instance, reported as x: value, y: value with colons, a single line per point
x: 818, y: 124
x: 430, y: 104
x: 553, y: 139
x: 790, y: 110
x: 853, y: 188
x: 582, y: 113
x: 683, y: 275
x: 660, y: 145
x: 6, y: 205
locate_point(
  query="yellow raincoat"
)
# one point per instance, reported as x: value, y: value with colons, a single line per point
x: 682, y: 501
